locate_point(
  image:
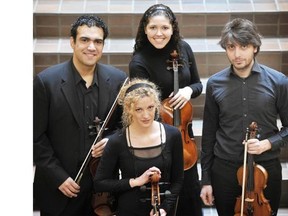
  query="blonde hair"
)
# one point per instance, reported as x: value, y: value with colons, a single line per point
x: 132, y: 92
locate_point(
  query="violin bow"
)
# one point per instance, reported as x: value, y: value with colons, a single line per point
x: 244, y: 172
x: 88, y: 156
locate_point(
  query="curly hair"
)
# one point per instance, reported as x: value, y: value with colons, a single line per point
x: 240, y: 31
x: 89, y: 20
x: 132, y: 92
x: 156, y: 10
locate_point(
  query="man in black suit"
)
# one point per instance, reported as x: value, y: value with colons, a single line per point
x: 67, y: 98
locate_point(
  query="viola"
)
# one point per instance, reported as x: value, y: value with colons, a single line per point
x: 180, y: 118
x: 253, y: 179
x: 155, y: 193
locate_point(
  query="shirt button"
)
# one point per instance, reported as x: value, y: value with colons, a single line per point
x: 245, y: 115
x: 244, y: 99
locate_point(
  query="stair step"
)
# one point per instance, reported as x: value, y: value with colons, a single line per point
x: 210, y: 57
x: 194, y: 25
x: 196, y: 19
x: 125, y: 46
x: 133, y: 6
x: 130, y: 6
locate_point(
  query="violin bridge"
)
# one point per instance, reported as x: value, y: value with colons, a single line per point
x: 249, y: 199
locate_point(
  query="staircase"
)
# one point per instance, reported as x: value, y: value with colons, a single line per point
x: 200, y: 22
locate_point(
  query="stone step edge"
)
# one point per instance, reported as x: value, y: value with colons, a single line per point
x: 125, y: 46
x: 179, y: 8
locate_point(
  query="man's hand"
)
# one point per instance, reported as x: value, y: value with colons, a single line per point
x: 98, y: 148
x: 254, y: 146
x: 69, y: 188
x: 207, y: 195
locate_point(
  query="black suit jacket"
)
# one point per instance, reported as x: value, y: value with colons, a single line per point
x: 57, y: 129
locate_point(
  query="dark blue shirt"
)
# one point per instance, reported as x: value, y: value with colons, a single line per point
x: 232, y: 103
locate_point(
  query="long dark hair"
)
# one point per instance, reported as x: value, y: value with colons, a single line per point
x: 155, y: 10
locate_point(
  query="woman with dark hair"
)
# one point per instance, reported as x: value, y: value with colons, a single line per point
x: 157, y: 37
x: 143, y: 147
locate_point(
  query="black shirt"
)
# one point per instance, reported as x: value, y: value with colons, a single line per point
x: 151, y: 63
x: 88, y: 103
x: 232, y: 103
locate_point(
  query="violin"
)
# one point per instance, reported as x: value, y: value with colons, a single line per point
x: 180, y: 118
x: 102, y: 202
x: 155, y: 193
x: 155, y: 197
x: 93, y: 163
x: 253, y: 179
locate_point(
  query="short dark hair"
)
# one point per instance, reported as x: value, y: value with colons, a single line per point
x: 89, y: 20
x: 240, y: 31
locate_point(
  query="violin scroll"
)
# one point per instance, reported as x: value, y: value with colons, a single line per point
x: 174, y: 61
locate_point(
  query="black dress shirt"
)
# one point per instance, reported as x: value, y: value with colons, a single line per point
x: 88, y: 104
x: 232, y: 103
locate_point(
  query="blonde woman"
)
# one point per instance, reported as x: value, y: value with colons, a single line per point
x: 142, y: 147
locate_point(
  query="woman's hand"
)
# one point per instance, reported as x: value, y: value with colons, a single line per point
x: 181, y: 98
x: 144, y: 178
x: 162, y: 213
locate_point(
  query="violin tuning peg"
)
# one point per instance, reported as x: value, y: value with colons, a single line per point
x: 91, y: 127
x: 92, y: 133
x: 167, y: 193
x: 97, y: 120
x: 143, y: 188
x: 143, y: 200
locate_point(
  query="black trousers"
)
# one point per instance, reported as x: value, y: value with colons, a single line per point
x: 75, y: 207
x: 190, y: 203
x: 226, y: 187
x: 79, y: 206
